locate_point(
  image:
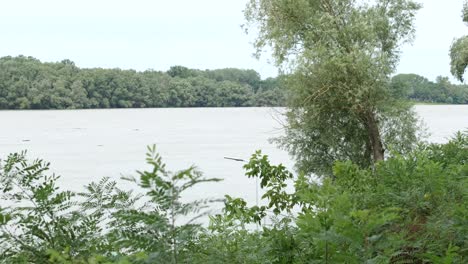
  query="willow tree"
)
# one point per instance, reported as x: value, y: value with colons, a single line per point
x: 459, y: 51
x: 339, y: 56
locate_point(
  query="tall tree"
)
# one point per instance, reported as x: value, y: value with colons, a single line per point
x: 459, y: 51
x: 340, y: 54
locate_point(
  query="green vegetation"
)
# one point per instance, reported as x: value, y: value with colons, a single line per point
x: 51, y: 225
x: 341, y: 55
x: 26, y: 83
x: 420, y: 89
x: 380, y: 195
x: 408, y: 209
x: 459, y: 50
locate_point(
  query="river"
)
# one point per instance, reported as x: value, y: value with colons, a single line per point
x: 85, y: 145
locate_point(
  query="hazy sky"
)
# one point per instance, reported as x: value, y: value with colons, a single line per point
x: 203, y: 34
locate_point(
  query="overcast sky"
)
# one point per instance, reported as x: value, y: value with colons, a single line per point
x: 203, y: 34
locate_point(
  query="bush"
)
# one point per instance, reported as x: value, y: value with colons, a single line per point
x: 406, y: 209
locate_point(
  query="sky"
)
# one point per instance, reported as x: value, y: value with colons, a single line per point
x: 202, y: 34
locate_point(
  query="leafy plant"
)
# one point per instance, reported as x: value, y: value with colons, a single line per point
x: 407, y: 209
x: 39, y: 216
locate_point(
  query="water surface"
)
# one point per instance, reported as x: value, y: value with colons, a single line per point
x: 85, y: 145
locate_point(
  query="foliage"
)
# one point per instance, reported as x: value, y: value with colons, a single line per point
x: 340, y: 55
x: 37, y: 216
x: 407, y: 209
x: 152, y: 229
x: 418, y: 88
x: 26, y: 83
x: 40, y: 223
x: 459, y: 51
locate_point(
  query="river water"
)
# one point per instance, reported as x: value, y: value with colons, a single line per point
x: 85, y: 145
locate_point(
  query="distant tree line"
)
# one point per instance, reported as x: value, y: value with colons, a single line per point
x: 419, y: 88
x: 27, y: 83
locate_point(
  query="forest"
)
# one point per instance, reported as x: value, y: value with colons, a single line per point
x: 419, y: 89
x: 27, y: 83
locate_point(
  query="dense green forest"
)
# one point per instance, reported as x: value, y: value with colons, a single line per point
x: 27, y: 83
x: 420, y: 89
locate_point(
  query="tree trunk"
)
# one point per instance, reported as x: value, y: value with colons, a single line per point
x: 375, y: 138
